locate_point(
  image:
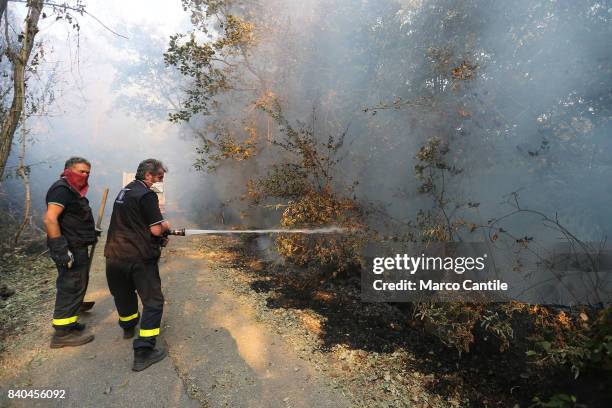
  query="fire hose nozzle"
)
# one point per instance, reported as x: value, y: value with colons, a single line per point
x: 180, y: 232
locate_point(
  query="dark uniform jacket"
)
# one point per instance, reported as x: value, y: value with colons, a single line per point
x: 135, y: 210
x: 76, y: 220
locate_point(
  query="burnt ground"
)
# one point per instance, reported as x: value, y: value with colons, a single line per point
x: 385, y: 357
x: 242, y: 331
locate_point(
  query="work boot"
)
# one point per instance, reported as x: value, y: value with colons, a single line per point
x: 145, y: 357
x: 86, y: 306
x: 70, y: 339
x: 129, y: 332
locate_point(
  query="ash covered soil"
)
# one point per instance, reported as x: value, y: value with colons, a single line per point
x: 242, y: 331
x: 378, y: 354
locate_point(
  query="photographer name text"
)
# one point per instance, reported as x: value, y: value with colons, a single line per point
x: 409, y: 285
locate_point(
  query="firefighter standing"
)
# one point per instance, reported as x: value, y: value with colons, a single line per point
x: 133, y: 248
x: 70, y: 230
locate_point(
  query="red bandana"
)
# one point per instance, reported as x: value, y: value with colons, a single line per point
x: 78, y: 181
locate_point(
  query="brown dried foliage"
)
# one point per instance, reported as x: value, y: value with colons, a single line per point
x: 317, y: 209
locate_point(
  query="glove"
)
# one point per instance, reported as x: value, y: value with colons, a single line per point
x: 58, y: 249
x: 98, y: 232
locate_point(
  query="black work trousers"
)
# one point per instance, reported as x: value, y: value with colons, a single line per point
x: 71, y: 286
x: 125, y: 279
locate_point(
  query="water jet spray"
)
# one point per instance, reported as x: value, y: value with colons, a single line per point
x: 187, y: 232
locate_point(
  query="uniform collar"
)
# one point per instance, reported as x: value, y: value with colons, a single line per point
x: 143, y: 183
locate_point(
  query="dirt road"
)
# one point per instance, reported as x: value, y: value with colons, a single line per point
x: 220, y: 355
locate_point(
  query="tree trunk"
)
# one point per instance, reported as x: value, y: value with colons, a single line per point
x: 2, y: 7
x: 23, y: 173
x: 20, y: 62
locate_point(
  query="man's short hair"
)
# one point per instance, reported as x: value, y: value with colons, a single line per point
x: 76, y: 160
x: 152, y: 166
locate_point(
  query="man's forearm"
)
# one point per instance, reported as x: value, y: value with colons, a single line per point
x: 53, y: 228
